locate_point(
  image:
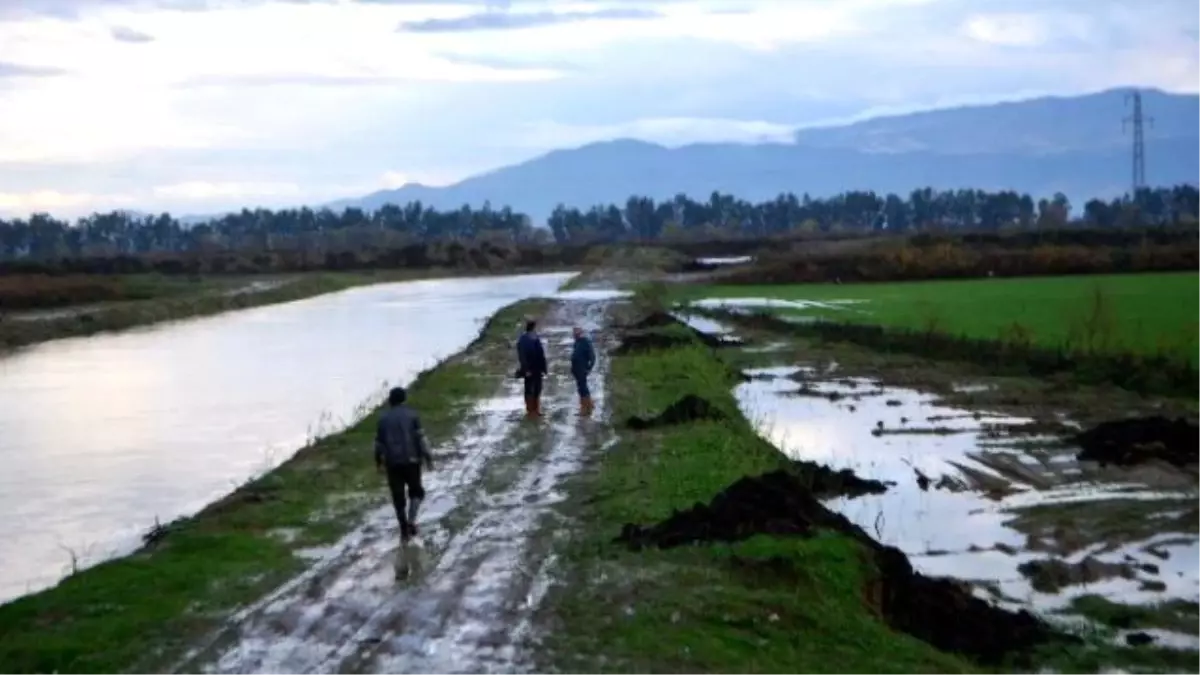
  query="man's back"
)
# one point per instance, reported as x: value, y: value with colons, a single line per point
x: 399, y: 438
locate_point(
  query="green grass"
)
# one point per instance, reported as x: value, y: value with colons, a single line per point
x: 142, y: 611
x: 1147, y: 314
x: 762, y: 605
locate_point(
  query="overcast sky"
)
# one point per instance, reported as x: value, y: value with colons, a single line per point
x: 195, y: 106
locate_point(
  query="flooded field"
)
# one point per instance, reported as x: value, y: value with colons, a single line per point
x: 101, y: 436
x: 992, y: 495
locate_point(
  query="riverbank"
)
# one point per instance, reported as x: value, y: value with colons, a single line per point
x: 141, y: 612
x: 765, y: 604
x: 204, y: 297
x: 743, y: 599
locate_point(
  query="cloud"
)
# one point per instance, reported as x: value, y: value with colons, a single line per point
x: 8, y: 69
x: 502, y: 20
x: 312, y: 100
x: 54, y: 201
x: 205, y: 191
x: 126, y: 34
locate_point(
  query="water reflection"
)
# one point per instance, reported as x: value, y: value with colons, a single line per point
x: 101, y: 435
x: 973, y: 503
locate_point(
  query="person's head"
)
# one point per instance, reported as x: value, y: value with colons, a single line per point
x: 530, y: 326
x: 397, y: 396
x: 577, y: 331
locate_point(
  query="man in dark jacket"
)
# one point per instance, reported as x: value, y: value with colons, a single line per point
x: 400, y: 450
x: 583, y: 359
x: 532, y: 359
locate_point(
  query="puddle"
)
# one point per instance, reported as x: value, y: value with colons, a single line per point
x: 975, y: 499
x: 748, y: 305
x: 711, y: 327
x: 591, y: 295
x: 730, y: 260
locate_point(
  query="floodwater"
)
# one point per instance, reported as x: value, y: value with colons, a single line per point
x: 975, y: 501
x: 749, y: 305
x: 101, y: 436
x: 727, y: 260
x: 482, y: 562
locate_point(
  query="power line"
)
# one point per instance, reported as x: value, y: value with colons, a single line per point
x: 1138, y: 121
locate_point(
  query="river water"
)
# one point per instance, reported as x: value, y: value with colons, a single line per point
x: 100, y: 436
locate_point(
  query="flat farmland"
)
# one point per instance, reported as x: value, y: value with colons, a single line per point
x: 1147, y: 314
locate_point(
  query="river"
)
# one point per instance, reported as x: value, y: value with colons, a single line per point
x: 99, y: 436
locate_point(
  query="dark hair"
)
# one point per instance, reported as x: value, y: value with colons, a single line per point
x: 530, y: 325
x: 397, y: 396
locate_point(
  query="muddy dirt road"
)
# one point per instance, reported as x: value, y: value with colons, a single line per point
x: 487, y: 525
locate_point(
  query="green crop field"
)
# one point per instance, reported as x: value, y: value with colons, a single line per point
x: 1141, y: 313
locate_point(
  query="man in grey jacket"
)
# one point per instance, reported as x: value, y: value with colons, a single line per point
x: 400, y: 451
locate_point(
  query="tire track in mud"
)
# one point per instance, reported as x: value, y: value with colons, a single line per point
x: 469, y: 604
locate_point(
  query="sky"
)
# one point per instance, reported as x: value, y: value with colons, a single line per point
x: 198, y: 106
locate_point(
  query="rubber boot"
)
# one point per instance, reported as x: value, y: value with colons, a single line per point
x: 537, y: 407
x: 529, y: 409
x: 585, y: 406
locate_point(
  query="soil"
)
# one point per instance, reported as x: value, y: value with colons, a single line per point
x: 654, y: 320
x: 1141, y: 439
x: 1051, y: 575
x: 938, y: 611
x: 644, y: 342
x: 824, y: 482
x: 687, y: 409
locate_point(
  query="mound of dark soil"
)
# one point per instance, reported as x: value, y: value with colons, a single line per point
x: 1140, y: 439
x: 644, y: 342
x: 824, y: 482
x: 1052, y: 575
x: 653, y: 320
x: 687, y: 409
x: 938, y: 611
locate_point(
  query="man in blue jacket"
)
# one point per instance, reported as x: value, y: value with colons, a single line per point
x: 532, y: 358
x: 583, y: 359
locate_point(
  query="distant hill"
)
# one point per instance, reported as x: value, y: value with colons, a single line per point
x: 1073, y: 145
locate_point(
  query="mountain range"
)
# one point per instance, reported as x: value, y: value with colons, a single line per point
x: 1075, y: 145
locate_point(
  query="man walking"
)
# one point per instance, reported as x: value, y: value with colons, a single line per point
x: 400, y: 450
x: 532, y: 358
x: 583, y: 359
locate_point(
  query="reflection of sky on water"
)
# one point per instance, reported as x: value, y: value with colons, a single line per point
x: 100, y: 435
x: 953, y: 533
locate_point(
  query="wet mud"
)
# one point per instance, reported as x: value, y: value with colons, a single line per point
x: 462, y: 599
x: 941, y: 612
x: 1051, y: 575
x: 987, y: 496
x: 646, y: 334
x: 823, y: 482
x: 1135, y: 441
x: 650, y: 341
x: 690, y: 408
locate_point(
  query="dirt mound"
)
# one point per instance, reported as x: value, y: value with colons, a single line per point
x: 824, y: 482
x: 1052, y: 575
x: 654, y: 320
x: 687, y: 409
x: 1133, y: 441
x: 938, y: 611
x: 644, y: 342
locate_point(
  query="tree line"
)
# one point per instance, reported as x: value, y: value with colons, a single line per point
x: 317, y: 233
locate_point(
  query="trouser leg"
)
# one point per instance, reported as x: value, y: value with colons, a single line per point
x: 396, y: 484
x: 416, y: 492
x: 533, y: 393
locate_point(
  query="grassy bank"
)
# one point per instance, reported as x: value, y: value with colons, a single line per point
x: 140, y: 612
x: 766, y: 604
